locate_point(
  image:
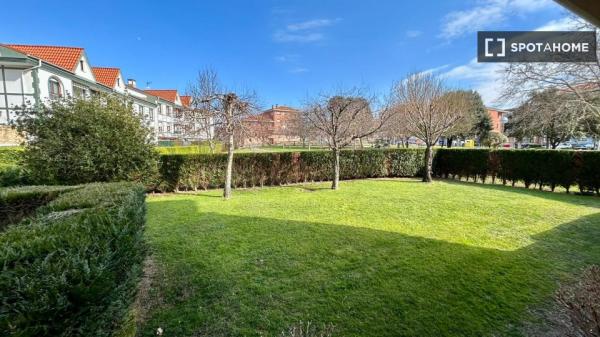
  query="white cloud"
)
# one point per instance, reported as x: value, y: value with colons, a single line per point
x: 283, y: 36
x: 304, y: 32
x: 311, y: 24
x: 435, y: 70
x: 487, y: 78
x: 298, y: 70
x: 566, y: 23
x: 413, y: 33
x: 487, y: 13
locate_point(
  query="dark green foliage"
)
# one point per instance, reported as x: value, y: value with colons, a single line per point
x: 76, y: 141
x: 16, y: 203
x: 72, y: 270
x: 11, y: 172
x: 202, y: 171
x: 539, y: 168
x: 483, y: 122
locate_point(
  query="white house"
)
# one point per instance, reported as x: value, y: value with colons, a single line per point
x: 33, y: 74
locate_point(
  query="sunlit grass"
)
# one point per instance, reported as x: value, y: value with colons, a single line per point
x: 377, y: 258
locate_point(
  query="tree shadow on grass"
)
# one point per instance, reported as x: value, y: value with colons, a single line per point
x: 253, y: 276
x: 576, y: 199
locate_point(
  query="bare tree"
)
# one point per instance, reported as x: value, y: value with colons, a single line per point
x: 550, y: 114
x: 225, y: 111
x: 582, y: 79
x: 429, y: 110
x: 201, y: 113
x: 341, y: 118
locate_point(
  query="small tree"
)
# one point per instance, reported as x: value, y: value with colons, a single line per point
x: 224, y: 111
x: 474, y: 120
x: 429, y: 110
x: 75, y: 141
x: 495, y: 139
x: 201, y: 114
x: 550, y: 114
x: 342, y: 118
x: 483, y: 122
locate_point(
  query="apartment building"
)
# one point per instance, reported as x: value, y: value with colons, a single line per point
x: 34, y: 74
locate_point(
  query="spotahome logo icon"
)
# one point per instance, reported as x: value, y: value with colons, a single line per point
x: 536, y: 47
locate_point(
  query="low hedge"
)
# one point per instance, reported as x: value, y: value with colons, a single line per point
x: 541, y: 168
x: 72, y: 268
x: 16, y: 203
x: 203, y: 171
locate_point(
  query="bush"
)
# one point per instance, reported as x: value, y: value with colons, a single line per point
x: 72, y: 269
x: 76, y: 141
x: 202, y: 171
x: 16, y: 203
x: 539, y: 168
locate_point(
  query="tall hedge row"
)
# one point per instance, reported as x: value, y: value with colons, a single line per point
x: 540, y: 168
x: 72, y: 268
x: 202, y: 171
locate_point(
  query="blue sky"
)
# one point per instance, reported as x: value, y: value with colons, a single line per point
x: 284, y: 50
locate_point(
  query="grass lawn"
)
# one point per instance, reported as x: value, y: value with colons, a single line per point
x: 377, y: 258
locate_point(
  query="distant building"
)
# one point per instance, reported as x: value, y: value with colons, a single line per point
x: 35, y: 74
x: 499, y: 118
x: 274, y: 126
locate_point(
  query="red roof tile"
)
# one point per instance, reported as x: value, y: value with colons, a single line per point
x: 186, y: 100
x: 62, y: 57
x: 169, y: 95
x: 106, y: 76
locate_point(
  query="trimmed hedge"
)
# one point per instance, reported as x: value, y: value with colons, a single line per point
x: 203, y: 171
x: 541, y: 168
x: 72, y: 269
x: 16, y: 203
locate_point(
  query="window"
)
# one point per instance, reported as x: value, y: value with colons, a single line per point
x: 54, y: 88
x: 168, y: 128
x: 118, y: 82
x: 81, y: 65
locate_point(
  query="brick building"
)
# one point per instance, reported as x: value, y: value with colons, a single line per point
x: 273, y: 126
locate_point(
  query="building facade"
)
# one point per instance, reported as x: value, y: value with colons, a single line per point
x: 274, y: 126
x: 33, y: 74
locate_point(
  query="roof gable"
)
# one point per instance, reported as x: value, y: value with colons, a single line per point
x: 186, y: 101
x: 66, y: 58
x: 106, y: 76
x: 167, y: 95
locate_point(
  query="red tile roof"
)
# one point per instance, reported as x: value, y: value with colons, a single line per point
x: 106, y: 76
x: 186, y: 100
x: 62, y: 57
x: 169, y: 95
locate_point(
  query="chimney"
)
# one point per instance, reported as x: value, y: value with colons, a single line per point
x: 131, y: 82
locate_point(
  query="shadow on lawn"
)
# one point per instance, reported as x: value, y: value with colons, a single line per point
x: 576, y: 199
x: 253, y: 276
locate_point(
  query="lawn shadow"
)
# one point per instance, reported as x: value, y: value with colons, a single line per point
x: 256, y: 276
x: 576, y: 199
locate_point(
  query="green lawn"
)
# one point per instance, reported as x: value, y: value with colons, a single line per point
x: 383, y: 257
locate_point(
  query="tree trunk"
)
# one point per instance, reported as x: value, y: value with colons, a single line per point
x: 336, y: 169
x: 229, y: 172
x: 361, y: 143
x: 211, y: 145
x: 449, y: 142
x: 428, y: 163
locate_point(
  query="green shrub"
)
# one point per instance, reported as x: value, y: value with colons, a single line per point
x: 539, y: 168
x: 16, y: 203
x: 76, y: 141
x: 202, y: 171
x: 72, y: 270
